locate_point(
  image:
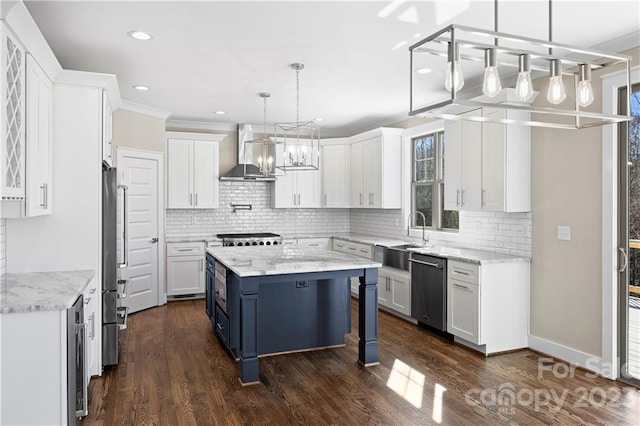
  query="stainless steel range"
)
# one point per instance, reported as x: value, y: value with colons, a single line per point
x: 250, y: 239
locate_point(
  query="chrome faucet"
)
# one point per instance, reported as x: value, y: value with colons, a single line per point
x: 425, y: 240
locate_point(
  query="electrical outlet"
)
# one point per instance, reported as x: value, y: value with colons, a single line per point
x: 564, y: 233
x: 493, y: 227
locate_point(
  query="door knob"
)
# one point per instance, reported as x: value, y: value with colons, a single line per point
x: 154, y: 240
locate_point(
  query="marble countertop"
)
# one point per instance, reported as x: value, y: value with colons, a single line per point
x: 257, y: 261
x: 370, y: 239
x: 469, y: 255
x: 42, y: 291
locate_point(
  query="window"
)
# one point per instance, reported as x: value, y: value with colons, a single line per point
x: 427, y: 184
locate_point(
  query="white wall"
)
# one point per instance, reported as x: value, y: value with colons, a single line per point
x: 262, y: 218
x: 3, y: 256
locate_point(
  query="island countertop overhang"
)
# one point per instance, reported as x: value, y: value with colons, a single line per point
x: 260, y: 261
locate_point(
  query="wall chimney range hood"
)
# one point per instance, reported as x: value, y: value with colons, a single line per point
x: 244, y: 171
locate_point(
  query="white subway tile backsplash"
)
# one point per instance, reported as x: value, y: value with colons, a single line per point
x: 491, y: 231
x: 261, y: 218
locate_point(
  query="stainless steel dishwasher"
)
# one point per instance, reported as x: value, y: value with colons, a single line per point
x: 429, y: 290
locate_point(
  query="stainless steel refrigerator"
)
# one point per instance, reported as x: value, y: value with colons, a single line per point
x: 113, y: 315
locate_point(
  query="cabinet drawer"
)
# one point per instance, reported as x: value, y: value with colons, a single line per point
x: 185, y: 249
x: 356, y: 249
x: 464, y: 271
x: 319, y: 243
x: 222, y: 326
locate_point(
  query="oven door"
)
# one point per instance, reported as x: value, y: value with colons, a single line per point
x: 221, y: 286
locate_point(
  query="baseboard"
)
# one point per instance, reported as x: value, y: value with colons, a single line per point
x: 573, y: 356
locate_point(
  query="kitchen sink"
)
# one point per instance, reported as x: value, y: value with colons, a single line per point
x: 394, y: 256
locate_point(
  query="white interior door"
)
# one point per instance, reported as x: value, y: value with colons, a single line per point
x: 140, y: 176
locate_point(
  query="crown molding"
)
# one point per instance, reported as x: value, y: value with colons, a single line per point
x: 145, y: 109
x: 200, y: 125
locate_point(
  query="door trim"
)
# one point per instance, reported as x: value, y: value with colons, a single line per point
x: 610, y: 365
x: 159, y: 158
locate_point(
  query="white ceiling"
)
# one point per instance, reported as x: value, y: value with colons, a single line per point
x: 213, y: 55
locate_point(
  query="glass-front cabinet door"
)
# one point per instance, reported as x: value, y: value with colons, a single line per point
x: 12, y: 158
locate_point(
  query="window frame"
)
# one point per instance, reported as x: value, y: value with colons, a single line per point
x: 437, y: 184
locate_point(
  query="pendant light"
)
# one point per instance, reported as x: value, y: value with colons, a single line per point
x: 491, y: 85
x: 524, y: 86
x: 298, y: 142
x: 454, y: 76
x: 585, y: 91
x: 265, y: 160
x: 556, y: 92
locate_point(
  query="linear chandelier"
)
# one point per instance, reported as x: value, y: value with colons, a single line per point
x: 506, y: 63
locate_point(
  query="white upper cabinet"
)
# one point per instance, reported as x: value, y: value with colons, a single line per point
x: 12, y: 116
x: 192, y: 170
x: 462, y: 173
x: 39, y: 106
x: 296, y: 189
x: 107, y: 130
x: 506, y: 163
x: 375, y: 159
x: 488, y: 165
x: 334, y: 165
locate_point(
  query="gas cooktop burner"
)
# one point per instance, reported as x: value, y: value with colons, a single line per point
x: 250, y: 239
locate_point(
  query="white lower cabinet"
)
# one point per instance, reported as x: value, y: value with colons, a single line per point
x: 185, y: 268
x: 394, y: 289
x: 463, y: 304
x: 356, y: 249
x: 488, y: 305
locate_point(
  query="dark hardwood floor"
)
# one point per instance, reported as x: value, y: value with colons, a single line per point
x: 174, y: 371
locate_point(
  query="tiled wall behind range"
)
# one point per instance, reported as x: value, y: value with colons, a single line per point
x: 262, y: 218
x: 497, y: 232
x: 3, y: 251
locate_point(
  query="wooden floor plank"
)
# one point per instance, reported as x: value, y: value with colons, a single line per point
x: 174, y: 371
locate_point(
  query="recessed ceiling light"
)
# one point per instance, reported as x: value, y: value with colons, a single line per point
x: 423, y: 70
x: 141, y: 88
x: 139, y: 35
x: 220, y: 112
x: 319, y: 119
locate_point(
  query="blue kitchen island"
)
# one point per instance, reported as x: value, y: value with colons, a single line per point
x: 280, y: 299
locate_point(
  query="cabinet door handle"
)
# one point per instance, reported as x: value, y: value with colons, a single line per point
x: 190, y: 199
x: 325, y: 199
x: 458, y: 271
x: 202, y: 264
x: 196, y: 197
x: 483, y: 196
x: 457, y: 197
x: 388, y: 284
x: 185, y: 249
x: 461, y: 286
x: 462, y: 197
x: 361, y: 198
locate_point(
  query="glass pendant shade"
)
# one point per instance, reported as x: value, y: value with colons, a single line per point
x: 585, y: 91
x: 556, y: 92
x: 454, y: 76
x: 491, y: 85
x: 524, y: 86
